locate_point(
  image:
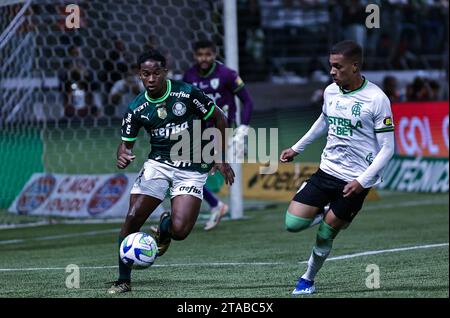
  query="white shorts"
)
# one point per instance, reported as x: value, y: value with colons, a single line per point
x: 156, y: 178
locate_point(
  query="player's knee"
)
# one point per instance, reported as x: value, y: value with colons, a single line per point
x: 325, y: 236
x: 295, y: 223
x: 178, y: 231
x: 327, y: 232
x: 179, y: 235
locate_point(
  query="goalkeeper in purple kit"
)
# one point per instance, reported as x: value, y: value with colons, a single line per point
x: 221, y: 84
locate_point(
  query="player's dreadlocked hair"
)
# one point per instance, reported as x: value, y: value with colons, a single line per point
x: 349, y: 49
x: 152, y: 55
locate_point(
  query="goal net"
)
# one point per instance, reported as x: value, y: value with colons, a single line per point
x: 66, y: 79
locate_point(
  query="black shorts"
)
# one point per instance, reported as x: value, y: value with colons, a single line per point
x: 323, y: 188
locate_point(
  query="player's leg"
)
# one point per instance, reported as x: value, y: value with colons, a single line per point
x: 307, y: 203
x: 147, y: 193
x: 306, y: 208
x: 218, y: 209
x: 342, y: 211
x: 328, y: 229
x: 140, y: 208
x: 187, y: 195
x: 185, y: 211
x: 178, y: 224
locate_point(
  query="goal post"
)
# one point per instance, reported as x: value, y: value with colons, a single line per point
x: 232, y: 61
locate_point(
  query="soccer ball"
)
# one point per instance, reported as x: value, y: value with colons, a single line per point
x: 138, y: 250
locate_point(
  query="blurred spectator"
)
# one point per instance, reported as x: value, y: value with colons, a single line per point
x: 81, y: 101
x: 115, y: 65
x: 251, y: 37
x: 123, y: 92
x: 419, y: 90
x: 390, y: 89
x: 335, y: 13
x: 433, y: 29
x: 434, y: 90
x: 77, y: 86
x: 354, y: 21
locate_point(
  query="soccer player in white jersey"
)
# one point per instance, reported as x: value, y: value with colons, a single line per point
x: 357, y: 119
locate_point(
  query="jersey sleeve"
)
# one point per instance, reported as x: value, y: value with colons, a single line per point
x: 327, y: 96
x: 130, y: 126
x: 324, y: 105
x: 201, y: 104
x: 383, y: 120
x: 236, y: 83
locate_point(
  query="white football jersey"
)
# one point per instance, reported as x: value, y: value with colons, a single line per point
x: 354, y: 118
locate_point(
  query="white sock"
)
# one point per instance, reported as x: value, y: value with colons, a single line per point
x: 315, y: 263
x: 317, y: 219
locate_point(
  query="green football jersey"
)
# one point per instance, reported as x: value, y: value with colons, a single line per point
x: 182, y: 109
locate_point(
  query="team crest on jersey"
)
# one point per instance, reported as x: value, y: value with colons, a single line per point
x: 179, y: 109
x: 162, y: 113
x: 356, y: 109
x: 387, y: 121
x: 215, y: 83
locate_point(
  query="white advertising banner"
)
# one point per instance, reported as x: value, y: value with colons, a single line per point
x: 75, y: 196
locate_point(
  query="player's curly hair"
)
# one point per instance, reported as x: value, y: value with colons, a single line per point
x: 153, y: 55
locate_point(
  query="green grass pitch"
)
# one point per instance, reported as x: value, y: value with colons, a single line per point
x: 250, y: 258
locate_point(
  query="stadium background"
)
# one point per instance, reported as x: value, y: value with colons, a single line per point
x: 283, y: 58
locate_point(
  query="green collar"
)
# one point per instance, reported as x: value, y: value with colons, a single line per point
x: 361, y: 87
x: 211, y: 70
x: 161, y: 99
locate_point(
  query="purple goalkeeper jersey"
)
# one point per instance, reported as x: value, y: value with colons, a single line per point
x: 220, y: 84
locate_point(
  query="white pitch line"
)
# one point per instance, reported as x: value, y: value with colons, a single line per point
x: 119, y: 221
x: 393, y: 250
x: 370, y: 207
x: 24, y: 225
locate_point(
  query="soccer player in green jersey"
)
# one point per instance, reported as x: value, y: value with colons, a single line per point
x: 167, y: 109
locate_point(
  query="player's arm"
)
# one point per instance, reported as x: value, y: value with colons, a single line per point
x: 247, y: 103
x: 124, y: 154
x: 207, y: 110
x: 318, y: 129
x: 239, y: 89
x: 220, y: 122
x: 129, y: 132
x: 386, y: 141
x: 384, y: 132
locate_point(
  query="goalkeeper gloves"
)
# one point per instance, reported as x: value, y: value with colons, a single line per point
x: 237, y: 143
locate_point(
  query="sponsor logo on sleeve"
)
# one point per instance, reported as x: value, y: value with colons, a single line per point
x: 387, y: 121
x: 140, y: 107
x: 200, y: 106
